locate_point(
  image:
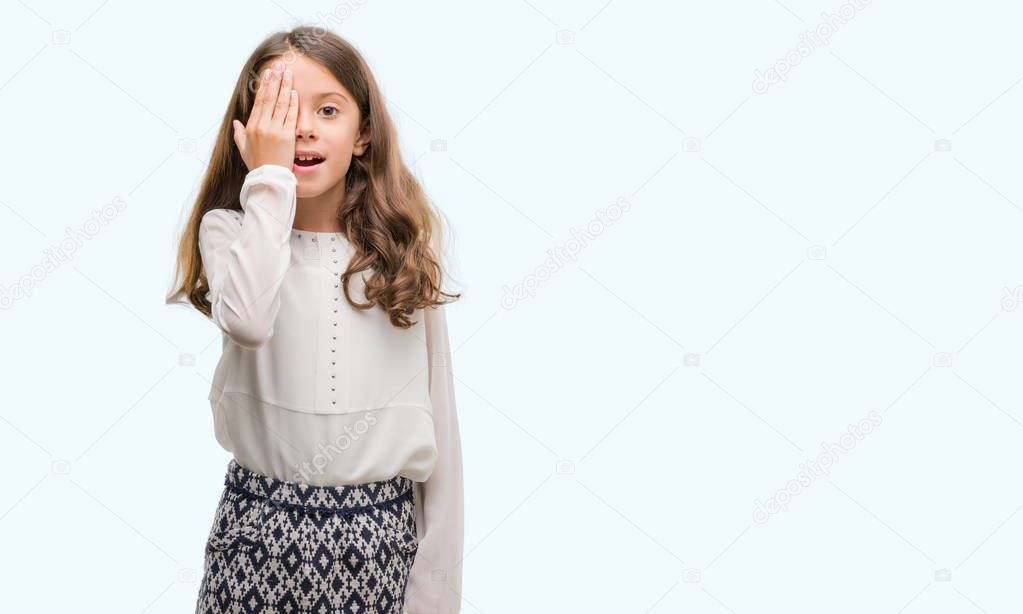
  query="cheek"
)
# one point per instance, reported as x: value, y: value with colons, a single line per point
x: 340, y: 143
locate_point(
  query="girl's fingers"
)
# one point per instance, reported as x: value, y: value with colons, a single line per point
x: 257, y: 107
x: 270, y: 96
x: 239, y: 134
x: 292, y: 117
x: 283, y: 104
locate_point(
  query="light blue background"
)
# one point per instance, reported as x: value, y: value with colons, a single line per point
x: 842, y: 246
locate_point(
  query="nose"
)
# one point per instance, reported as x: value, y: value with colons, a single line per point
x: 304, y: 125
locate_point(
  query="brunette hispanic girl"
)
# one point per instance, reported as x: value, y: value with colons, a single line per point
x: 317, y: 255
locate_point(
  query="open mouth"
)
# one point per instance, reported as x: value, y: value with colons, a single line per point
x: 307, y: 161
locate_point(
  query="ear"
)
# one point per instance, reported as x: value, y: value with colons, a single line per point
x: 362, y: 142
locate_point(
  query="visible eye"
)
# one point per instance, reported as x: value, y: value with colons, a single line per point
x: 336, y: 110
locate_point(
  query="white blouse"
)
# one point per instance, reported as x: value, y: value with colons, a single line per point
x: 310, y: 389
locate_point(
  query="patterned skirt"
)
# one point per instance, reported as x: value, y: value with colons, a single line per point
x: 289, y: 547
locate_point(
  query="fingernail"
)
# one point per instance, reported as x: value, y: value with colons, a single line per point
x: 266, y: 74
x: 278, y: 65
x: 287, y: 73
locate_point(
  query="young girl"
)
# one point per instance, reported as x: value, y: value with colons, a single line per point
x: 315, y: 251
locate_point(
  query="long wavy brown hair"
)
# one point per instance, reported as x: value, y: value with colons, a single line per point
x: 395, y: 232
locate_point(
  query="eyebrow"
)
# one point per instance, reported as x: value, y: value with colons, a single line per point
x: 325, y: 94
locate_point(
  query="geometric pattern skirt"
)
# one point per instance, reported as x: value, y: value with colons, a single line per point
x: 290, y: 547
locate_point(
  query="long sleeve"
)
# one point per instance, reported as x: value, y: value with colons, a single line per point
x: 245, y: 259
x: 435, y: 582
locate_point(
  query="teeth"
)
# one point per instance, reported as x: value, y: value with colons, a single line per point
x: 307, y: 158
